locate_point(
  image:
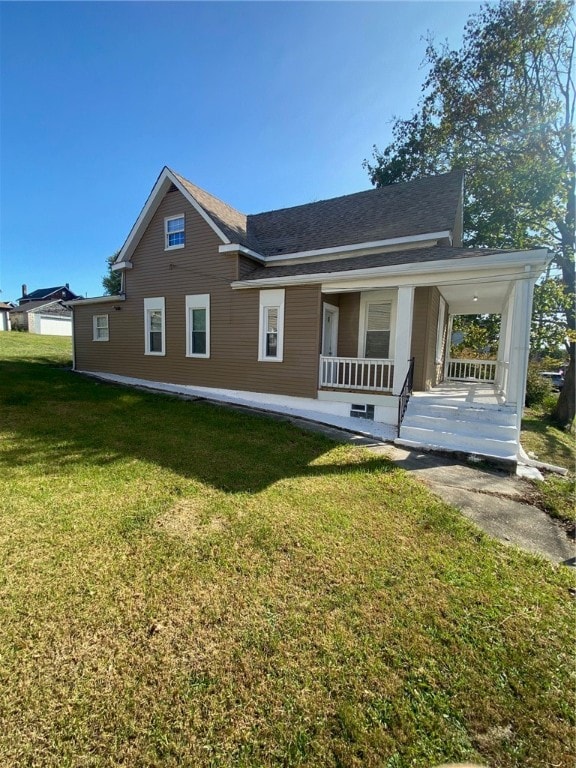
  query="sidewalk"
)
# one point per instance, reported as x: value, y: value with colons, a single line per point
x: 492, y: 499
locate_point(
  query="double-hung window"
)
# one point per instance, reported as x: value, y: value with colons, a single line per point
x: 155, y: 326
x: 198, y: 325
x: 100, y: 331
x: 271, y: 327
x: 174, y: 232
x: 378, y: 329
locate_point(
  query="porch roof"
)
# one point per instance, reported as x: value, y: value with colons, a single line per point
x: 386, y: 259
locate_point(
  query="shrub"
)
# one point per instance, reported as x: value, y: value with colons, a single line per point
x: 538, y: 389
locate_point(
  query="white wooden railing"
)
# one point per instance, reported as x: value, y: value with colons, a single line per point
x: 356, y: 373
x: 471, y: 370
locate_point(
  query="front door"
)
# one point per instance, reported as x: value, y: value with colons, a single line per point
x: 330, y: 331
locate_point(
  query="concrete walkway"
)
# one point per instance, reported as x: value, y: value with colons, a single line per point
x: 492, y: 499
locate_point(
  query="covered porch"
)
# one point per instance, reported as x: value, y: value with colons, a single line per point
x: 369, y: 335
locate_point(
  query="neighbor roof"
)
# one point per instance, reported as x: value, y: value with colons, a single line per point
x: 32, y: 306
x: 42, y: 293
x: 417, y: 207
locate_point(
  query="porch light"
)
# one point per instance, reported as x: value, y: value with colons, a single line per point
x: 475, y: 298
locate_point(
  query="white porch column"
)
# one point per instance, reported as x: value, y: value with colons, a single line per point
x: 402, y: 335
x: 519, y: 340
x: 448, y: 347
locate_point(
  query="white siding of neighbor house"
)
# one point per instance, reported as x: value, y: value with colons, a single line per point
x: 50, y: 325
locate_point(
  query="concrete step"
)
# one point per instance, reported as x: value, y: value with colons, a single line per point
x: 456, y: 423
x: 446, y: 441
x: 462, y: 411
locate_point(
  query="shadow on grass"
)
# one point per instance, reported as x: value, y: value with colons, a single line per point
x: 550, y: 445
x: 59, y: 419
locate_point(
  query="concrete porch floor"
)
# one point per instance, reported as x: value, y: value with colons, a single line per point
x: 470, y: 392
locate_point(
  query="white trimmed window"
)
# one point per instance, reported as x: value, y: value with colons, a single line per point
x: 100, y: 331
x: 378, y: 329
x: 376, y: 326
x: 198, y: 325
x: 154, y: 326
x: 174, y: 232
x: 271, y: 326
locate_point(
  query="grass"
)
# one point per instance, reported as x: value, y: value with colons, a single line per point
x: 541, y: 438
x: 186, y: 585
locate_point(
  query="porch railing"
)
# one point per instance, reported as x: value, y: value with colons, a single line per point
x: 405, y: 393
x: 471, y: 370
x: 356, y: 373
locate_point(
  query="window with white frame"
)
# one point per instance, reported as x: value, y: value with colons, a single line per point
x: 378, y: 316
x: 271, y: 326
x: 155, y: 326
x: 174, y: 232
x: 198, y: 325
x: 100, y: 331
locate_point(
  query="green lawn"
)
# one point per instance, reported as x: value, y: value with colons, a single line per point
x: 557, y: 494
x: 186, y: 585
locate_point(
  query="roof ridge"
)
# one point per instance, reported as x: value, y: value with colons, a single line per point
x: 384, y: 188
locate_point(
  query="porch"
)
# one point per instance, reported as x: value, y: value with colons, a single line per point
x: 369, y: 335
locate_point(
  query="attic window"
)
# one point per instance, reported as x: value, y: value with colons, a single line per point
x: 174, y: 233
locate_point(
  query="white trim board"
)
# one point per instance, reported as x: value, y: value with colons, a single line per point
x: 339, y: 249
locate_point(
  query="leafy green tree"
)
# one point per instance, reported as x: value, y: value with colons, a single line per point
x: 502, y: 108
x: 479, y: 334
x: 549, y: 327
x: 112, y: 281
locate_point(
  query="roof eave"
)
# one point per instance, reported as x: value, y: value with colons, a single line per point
x: 532, y: 262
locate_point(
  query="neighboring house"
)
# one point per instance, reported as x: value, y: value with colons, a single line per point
x: 5, y: 315
x: 5, y: 309
x: 319, y: 307
x: 50, y: 318
x: 59, y: 292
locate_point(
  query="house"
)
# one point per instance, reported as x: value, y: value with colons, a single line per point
x: 47, y: 294
x: 5, y: 315
x: 320, y: 308
x: 52, y: 318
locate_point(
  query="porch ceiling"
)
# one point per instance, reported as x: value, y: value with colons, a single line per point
x: 490, y: 297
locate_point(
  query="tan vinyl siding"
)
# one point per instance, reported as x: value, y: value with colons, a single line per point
x: 198, y: 268
x: 348, y: 320
x: 424, y: 329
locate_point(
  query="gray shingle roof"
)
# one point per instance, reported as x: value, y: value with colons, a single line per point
x: 386, y: 259
x: 55, y: 306
x: 408, y: 208
x: 228, y: 219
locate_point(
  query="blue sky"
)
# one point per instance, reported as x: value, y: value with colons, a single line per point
x: 264, y: 104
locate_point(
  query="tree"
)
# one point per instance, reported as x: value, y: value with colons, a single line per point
x: 478, y: 336
x: 502, y: 108
x: 112, y: 281
x: 549, y: 328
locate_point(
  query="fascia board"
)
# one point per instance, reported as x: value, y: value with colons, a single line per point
x: 95, y: 300
x: 118, y: 265
x: 362, y: 246
x: 421, y: 274
x: 151, y: 206
x: 237, y: 248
